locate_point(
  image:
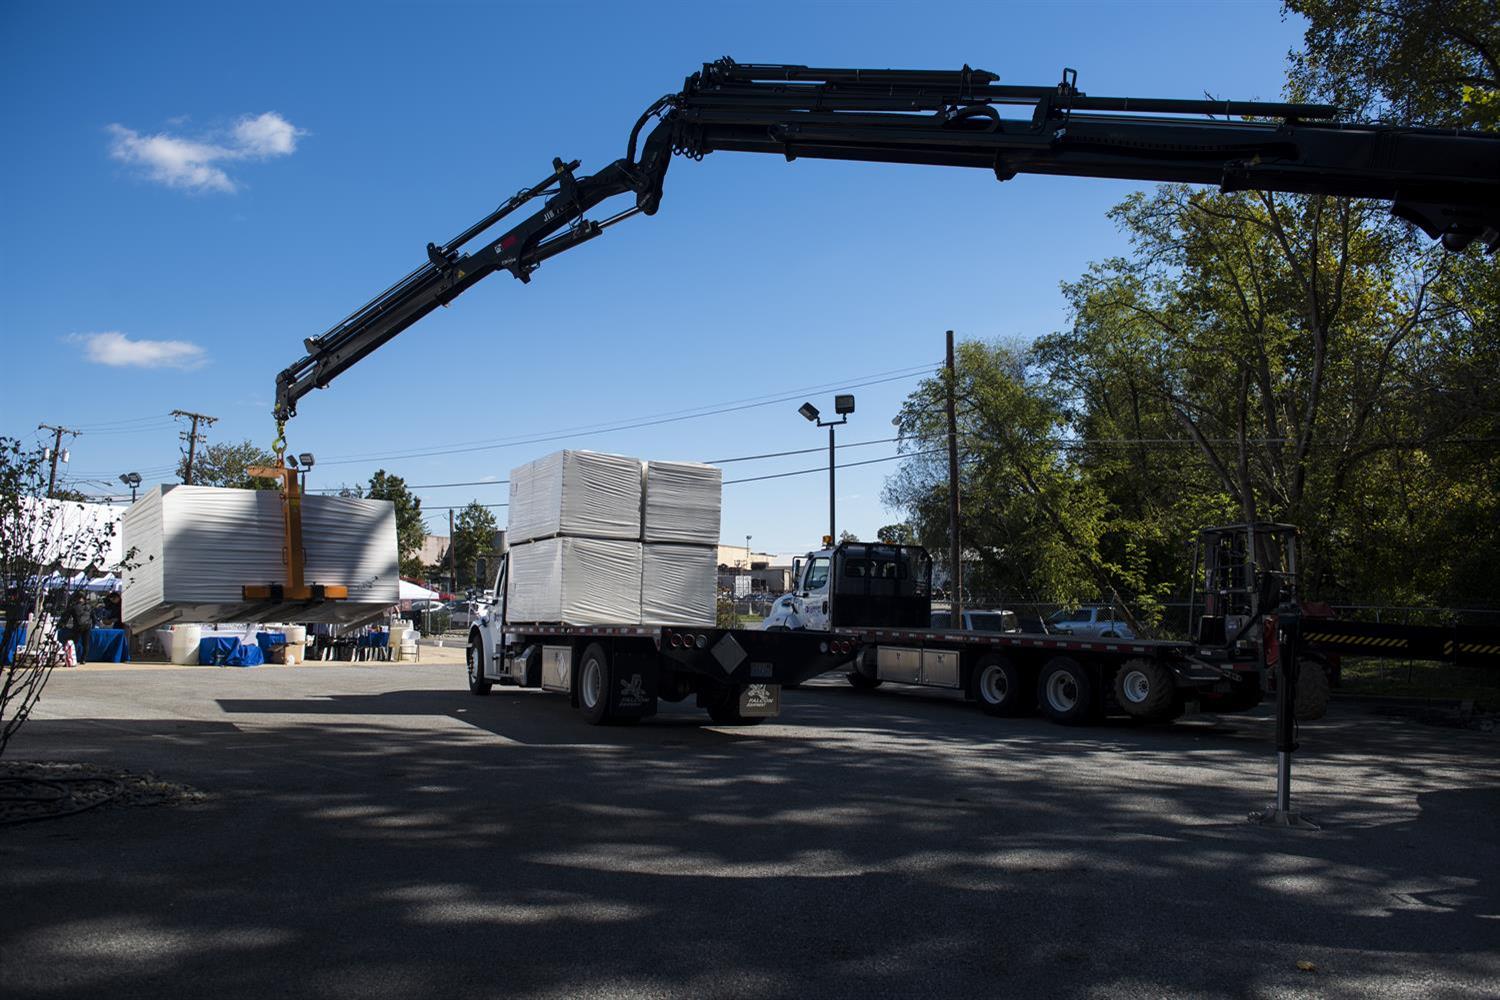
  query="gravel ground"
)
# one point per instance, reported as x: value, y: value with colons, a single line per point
x: 372, y: 831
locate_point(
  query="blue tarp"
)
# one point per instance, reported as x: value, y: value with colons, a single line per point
x: 108, y: 645
x: 268, y: 641
x: 228, y: 651
x: 17, y: 638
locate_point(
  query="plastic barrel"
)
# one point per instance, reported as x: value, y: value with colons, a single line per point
x: 185, y: 640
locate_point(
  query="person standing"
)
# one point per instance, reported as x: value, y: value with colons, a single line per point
x: 78, y: 623
x: 15, y: 617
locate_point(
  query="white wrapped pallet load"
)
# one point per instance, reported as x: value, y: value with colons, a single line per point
x: 582, y: 493
x: 679, y: 584
x: 196, y: 547
x: 683, y: 502
x: 581, y: 581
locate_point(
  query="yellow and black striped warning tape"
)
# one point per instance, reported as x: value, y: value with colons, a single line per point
x: 1482, y: 648
x: 1355, y: 640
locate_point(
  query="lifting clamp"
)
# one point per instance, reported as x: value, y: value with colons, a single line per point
x: 292, y: 553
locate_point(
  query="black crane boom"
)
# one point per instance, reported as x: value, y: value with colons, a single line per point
x: 1447, y: 182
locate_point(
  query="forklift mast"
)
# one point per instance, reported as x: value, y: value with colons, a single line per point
x: 1447, y: 182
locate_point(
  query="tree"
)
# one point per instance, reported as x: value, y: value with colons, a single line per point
x: 224, y: 463
x: 473, y: 537
x: 900, y: 533
x: 1032, y: 519
x: 410, y: 531
x: 1421, y: 62
x: 37, y: 538
x: 848, y: 536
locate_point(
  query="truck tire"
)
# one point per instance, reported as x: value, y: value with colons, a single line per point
x: 858, y: 678
x: 998, y: 687
x: 1145, y: 690
x: 475, y: 660
x: 726, y: 711
x: 593, y: 681
x: 1312, y: 689
x: 1066, y: 692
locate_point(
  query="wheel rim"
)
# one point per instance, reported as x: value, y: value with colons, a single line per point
x: 993, y: 685
x: 473, y: 664
x: 1062, y: 691
x: 1136, y: 687
x: 593, y: 683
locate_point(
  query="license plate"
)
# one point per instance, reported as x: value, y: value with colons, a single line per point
x: 760, y: 700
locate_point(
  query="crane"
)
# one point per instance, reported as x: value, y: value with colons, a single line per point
x: 1444, y: 181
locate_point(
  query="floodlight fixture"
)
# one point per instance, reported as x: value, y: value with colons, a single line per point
x: 843, y: 404
x: 808, y: 410
x: 306, y: 458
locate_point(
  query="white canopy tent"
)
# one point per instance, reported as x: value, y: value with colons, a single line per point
x: 411, y: 592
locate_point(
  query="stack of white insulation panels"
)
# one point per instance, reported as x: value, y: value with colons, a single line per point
x: 193, y: 548
x: 575, y: 540
x: 578, y: 520
x: 680, y: 528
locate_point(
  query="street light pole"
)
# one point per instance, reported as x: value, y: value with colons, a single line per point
x: 842, y: 405
x: 831, y: 465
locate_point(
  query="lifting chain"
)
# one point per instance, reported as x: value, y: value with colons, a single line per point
x: 279, y: 445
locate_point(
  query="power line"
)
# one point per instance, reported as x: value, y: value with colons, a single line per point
x: 824, y: 468
x: 633, y: 425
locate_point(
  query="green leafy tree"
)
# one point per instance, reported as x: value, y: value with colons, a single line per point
x: 1033, y: 522
x: 224, y: 463
x: 1421, y: 62
x: 473, y: 537
x: 848, y: 536
x: 410, y: 530
x: 900, y: 533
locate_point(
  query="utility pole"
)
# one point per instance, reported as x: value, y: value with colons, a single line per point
x: 56, y: 449
x: 452, y: 552
x: 192, y: 438
x: 955, y: 544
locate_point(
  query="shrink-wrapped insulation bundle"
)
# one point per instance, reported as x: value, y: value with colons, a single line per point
x: 679, y: 584
x: 581, y: 581
x: 581, y: 493
x: 191, y: 550
x: 683, y: 501
x: 576, y: 522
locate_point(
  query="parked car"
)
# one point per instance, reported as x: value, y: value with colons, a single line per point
x: 424, y: 607
x: 460, y: 615
x: 980, y: 620
x: 1096, y: 621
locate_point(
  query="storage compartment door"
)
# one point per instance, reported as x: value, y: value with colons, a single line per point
x: 895, y: 663
x: 557, y: 668
x: 940, y: 668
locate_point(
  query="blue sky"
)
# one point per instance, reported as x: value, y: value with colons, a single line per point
x: 220, y: 181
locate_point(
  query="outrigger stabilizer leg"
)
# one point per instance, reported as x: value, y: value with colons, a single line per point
x: 1280, y: 813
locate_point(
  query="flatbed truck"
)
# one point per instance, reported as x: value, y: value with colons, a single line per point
x: 618, y: 673
x: 879, y: 597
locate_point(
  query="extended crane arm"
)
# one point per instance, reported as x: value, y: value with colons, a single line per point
x: 1446, y: 182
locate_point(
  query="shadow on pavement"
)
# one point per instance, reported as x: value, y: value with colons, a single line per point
x: 419, y: 843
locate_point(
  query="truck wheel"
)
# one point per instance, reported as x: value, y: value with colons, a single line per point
x: 1065, y: 691
x: 998, y: 686
x: 1144, y: 689
x: 863, y: 682
x: 593, y: 679
x: 475, y: 657
x: 1312, y: 689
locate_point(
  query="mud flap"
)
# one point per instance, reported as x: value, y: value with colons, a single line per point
x: 760, y: 701
x: 633, y: 691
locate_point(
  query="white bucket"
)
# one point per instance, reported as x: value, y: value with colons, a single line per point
x: 185, y: 639
x: 296, y: 635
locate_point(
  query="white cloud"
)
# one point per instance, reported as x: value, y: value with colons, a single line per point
x: 192, y: 163
x: 119, y: 351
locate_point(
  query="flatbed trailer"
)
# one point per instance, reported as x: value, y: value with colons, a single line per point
x: 1071, y: 678
x: 619, y: 673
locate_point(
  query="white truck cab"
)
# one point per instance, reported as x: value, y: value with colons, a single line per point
x: 806, y: 606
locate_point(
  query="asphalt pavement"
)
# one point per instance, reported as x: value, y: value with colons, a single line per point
x: 374, y: 831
